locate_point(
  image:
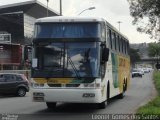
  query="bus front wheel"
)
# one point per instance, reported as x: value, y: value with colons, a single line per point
x: 51, y: 105
x: 102, y: 105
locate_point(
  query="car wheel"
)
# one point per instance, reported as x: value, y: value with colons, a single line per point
x: 21, y: 92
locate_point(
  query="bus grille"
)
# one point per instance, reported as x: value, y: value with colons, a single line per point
x: 63, y: 85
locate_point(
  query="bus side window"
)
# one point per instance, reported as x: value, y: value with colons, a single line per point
x: 118, y: 44
x: 124, y: 46
x: 115, y: 41
x: 128, y: 52
x: 110, y: 39
x: 103, y: 31
x: 107, y: 38
x: 121, y: 46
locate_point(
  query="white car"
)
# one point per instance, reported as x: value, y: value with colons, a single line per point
x: 146, y: 70
x: 136, y: 73
x: 141, y: 70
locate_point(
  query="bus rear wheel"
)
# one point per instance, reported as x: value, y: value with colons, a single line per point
x: 121, y: 95
x: 51, y: 105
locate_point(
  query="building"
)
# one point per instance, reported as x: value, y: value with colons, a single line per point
x: 16, y: 28
x: 18, y: 19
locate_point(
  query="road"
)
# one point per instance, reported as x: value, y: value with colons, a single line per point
x: 141, y: 90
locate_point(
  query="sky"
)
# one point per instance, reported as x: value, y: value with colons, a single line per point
x: 111, y: 10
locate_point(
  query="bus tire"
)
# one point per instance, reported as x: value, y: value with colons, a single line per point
x: 108, y: 93
x: 121, y: 95
x: 104, y: 104
x: 125, y: 86
x: 51, y: 105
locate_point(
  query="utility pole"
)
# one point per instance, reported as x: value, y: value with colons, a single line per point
x: 119, y: 22
x: 47, y: 7
x: 60, y: 7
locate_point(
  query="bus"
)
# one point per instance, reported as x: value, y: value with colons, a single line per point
x: 78, y: 60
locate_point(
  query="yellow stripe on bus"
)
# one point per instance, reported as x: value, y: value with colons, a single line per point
x: 53, y: 80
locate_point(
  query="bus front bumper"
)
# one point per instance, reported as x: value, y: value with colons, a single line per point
x: 67, y: 95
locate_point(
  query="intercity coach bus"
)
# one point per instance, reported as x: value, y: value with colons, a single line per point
x: 78, y: 60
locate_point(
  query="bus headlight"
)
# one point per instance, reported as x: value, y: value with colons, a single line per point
x: 38, y: 96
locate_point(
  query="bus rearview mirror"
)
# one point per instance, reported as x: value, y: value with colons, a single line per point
x: 105, y: 54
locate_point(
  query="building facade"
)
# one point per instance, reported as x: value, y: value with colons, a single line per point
x: 16, y: 31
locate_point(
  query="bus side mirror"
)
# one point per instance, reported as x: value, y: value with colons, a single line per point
x: 105, y: 54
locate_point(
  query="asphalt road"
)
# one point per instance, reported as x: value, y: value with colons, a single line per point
x: 141, y: 90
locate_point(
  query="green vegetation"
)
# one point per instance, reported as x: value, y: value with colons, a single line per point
x: 153, y: 107
x: 135, y: 57
x: 157, y: 81
x: 146, y: 16
x: 154, y: 49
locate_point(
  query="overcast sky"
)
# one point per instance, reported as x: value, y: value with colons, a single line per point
x: 111, y: 10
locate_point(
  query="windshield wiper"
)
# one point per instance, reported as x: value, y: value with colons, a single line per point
x: 73, y: 66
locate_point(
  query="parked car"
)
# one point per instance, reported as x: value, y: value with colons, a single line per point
x: 136, y: 73
x: 13, y: 83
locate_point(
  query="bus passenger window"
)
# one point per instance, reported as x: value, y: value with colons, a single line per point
x: 118, y: 43
x: 121, y: 45
x: 124, y: 46
x: 103, y: 31
x: 110, y: 38
x: 115, y: 41
x: 128, y: 48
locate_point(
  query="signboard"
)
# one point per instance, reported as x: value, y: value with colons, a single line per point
x: 5, y: 38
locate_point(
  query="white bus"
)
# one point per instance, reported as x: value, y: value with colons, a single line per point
x: 78, y: 60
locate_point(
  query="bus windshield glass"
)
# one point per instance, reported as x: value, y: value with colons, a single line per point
x: 68, y: 59
x: 67, y: 30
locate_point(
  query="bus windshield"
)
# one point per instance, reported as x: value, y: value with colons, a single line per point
x: 67, y: 30
x: 68, y: 59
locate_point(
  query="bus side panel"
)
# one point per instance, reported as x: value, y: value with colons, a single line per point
x: 124, y: 71
x: 112, y: 74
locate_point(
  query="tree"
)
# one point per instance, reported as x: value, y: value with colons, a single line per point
x: 154, y: 50
x: 146, y: 14
x: 134, y: 56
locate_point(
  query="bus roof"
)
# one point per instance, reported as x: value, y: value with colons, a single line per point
x: 77, y: 19
x: 70, y: 19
